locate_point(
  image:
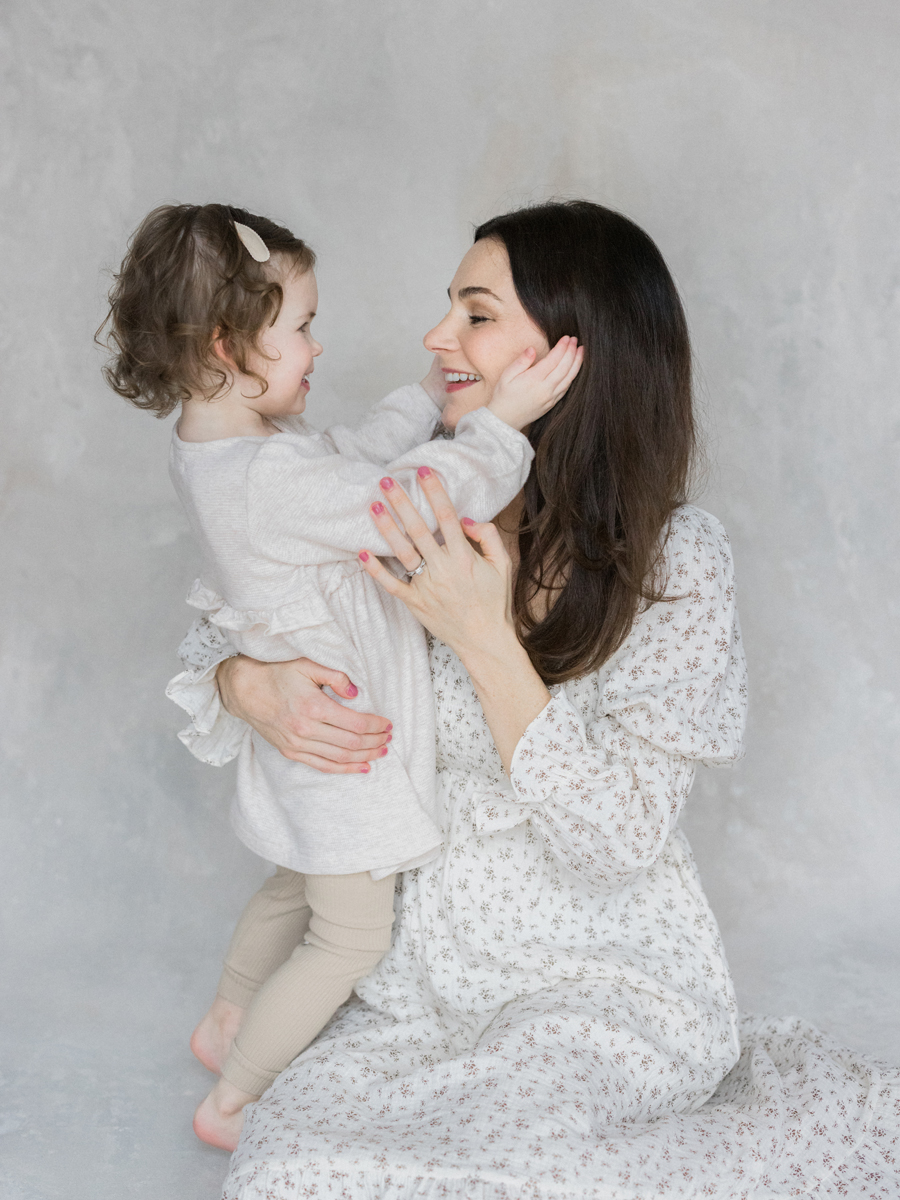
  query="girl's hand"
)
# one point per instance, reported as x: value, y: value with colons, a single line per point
x: 463, y: 597
x: 525, y: 392
x: 285, y: 704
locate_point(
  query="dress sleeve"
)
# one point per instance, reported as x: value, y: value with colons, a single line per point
x: 604, y: 786
x: 308, y: 508
x: 214, y: 735
x: 402, y: 420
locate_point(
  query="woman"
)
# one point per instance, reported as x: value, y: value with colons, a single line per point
x: 556, y: 1007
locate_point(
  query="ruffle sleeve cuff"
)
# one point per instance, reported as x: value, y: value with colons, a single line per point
x: 507, y: 804
x: 543, y: 753
x: 214, y: 735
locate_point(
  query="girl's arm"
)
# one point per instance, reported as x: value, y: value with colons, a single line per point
x: 604, y: 781
x: 304, y: 506
x: 406, y: 418
x: 307, y: 507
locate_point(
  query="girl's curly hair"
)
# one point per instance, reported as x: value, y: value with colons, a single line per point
x: 187, y: 282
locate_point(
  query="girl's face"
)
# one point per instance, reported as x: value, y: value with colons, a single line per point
x: 291, y: 349
x: 485, y: 329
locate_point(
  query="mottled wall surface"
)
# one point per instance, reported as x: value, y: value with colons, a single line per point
x: 755, y: 140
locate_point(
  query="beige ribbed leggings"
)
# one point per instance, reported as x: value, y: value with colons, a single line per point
x: 301, y: 944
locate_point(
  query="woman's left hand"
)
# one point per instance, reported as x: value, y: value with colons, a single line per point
x: 463, y: 597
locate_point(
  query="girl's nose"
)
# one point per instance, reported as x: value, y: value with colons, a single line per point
x: 316, y: 349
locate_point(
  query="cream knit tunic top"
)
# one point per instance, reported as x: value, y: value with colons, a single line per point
x: 280, y: 521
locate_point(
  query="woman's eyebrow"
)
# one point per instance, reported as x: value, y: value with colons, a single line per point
x: 465, y: 292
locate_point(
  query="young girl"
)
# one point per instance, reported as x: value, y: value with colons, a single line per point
x: 213, y: 309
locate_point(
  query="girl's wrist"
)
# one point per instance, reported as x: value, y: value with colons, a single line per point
x: 508, y: 412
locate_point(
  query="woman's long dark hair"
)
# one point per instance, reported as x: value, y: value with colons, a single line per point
x: 612, y: 459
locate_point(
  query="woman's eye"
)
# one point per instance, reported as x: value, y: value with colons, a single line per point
x: 473, y: 320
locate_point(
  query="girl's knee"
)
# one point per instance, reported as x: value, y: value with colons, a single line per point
x: 286, y: 884
x: 347, y: 941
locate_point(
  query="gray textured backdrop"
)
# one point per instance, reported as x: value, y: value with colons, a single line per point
x: 755, y: 140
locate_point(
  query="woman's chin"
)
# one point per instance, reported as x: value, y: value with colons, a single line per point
x: 457, y: 406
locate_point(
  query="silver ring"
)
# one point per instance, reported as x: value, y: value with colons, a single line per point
x: 418, y: 571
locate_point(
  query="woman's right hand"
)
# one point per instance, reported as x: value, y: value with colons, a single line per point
x: 285, y: 704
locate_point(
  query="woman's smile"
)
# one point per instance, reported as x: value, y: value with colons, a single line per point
x: 455, y: 381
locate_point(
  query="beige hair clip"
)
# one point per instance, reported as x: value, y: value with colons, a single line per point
x: 253, y: 243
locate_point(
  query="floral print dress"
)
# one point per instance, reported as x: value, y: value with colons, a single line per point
x: 555, y: 1017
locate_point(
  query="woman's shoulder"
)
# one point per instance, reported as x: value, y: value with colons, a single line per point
x: 693, y: 526
x: 694, y: 608
x: 679, y: 679
x: 695, y: 551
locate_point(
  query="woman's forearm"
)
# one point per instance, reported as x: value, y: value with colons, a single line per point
x: 285, y: 704
x: 511, y: 692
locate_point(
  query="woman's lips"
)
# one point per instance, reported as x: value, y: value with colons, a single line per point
x: 455, y: 381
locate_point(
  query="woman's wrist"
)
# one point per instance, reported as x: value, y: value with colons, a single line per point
x: 511, y: 692
x: 228, y: 674
x: 498, y: 650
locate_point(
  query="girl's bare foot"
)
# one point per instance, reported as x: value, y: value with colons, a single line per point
x: 211, y: 1040
x: 220, y: 1118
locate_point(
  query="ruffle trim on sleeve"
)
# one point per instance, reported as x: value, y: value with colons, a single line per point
x: 307, y: 611
x: 496, y: 809
x: 214, y: 735
x: 545, y: 747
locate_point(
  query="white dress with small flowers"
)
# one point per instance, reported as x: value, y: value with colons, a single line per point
x: 555, y: 1018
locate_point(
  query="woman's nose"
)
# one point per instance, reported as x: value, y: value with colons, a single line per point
x: 441, y: 337
x: 316, y: 349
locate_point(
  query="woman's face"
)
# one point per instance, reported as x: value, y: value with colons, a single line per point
x: 485, y: 329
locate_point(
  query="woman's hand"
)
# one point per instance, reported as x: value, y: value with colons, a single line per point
x: 285, y: 704
x: 465, y: 599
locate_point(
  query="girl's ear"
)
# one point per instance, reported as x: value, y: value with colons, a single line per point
x: 222, y: 350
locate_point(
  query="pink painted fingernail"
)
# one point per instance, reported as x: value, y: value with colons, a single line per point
x: 424, y: 472
x: 352, y: 689
x: 364, y: 555
x: 390, y: 737
x: 387, y: 483
x: 364, y: 768
x: 384, y: 751
x: 467, y: 521
x: 377, y: 508
x: 389, y: 726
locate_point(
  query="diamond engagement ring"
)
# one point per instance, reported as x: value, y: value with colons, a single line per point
x: 418, y: 571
